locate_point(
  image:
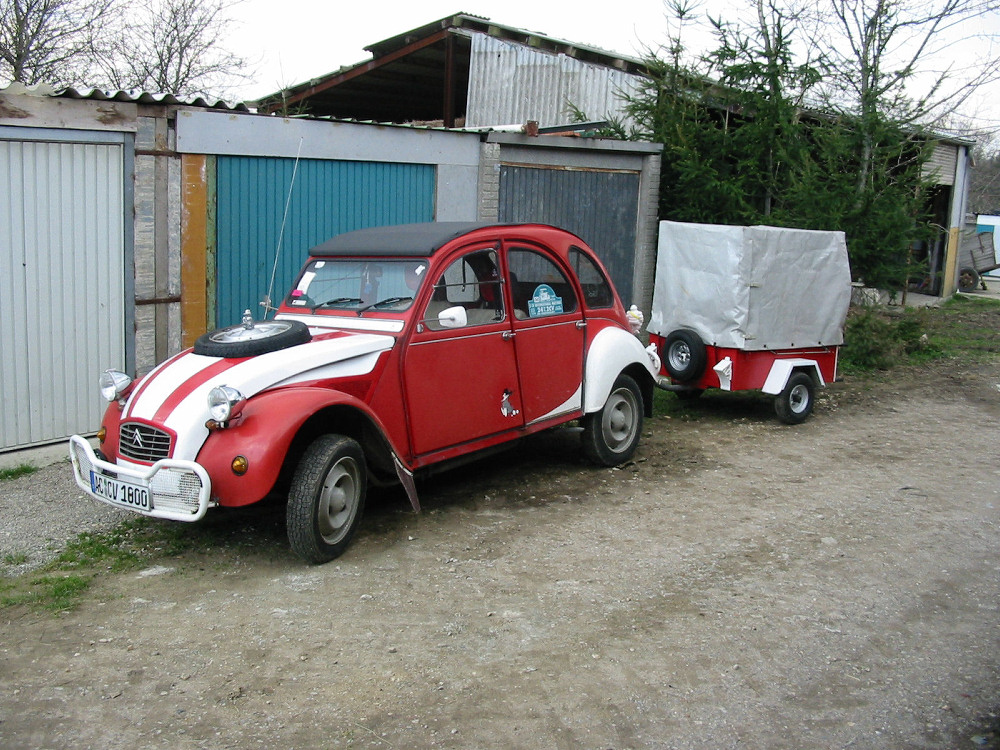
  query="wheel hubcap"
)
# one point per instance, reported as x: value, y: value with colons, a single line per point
x: 798, y: 399
x: 619, y: 423
x: 338, y: 499
x: 259, y: 331
x: 679, y: 355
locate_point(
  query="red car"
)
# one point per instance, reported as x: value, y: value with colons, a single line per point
x: 397, y: 349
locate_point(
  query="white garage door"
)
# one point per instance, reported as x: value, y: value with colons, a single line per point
x: 62, y: 260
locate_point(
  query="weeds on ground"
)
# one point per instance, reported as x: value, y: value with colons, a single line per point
x: 137, y: 542
x: 879, y: 339
x: 58, y: 585
x: 13, y: 472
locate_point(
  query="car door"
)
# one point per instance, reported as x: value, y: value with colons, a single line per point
x: 549, y: 332
x: 460, y: 382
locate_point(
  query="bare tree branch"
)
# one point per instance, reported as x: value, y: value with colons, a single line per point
x: 173, y: 46
x: 48, y: 41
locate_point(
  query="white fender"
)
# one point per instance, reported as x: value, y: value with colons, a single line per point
x: 611, y: 352
x: 782, y: 369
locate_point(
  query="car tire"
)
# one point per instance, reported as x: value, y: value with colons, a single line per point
x: 265, y: 336
x: 968, y: 279
x: 795, y: 402
x: 611, y: 435
x: 684, y: 355
x: 327, y: 498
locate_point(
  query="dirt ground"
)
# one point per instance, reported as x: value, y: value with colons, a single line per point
x: 741, y: 584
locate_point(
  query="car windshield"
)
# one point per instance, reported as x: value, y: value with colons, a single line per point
x: 383, y: 285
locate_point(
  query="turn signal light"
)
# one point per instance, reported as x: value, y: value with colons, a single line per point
x: 240, y: 465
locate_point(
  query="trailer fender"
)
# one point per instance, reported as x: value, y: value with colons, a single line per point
x: 782, y: 370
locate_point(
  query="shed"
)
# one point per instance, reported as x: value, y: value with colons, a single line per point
x: 469, y: 71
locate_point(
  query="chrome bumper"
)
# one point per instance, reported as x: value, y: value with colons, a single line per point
x: 179, y: 490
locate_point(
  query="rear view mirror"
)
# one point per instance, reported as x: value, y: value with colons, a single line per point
x: 453, y: 317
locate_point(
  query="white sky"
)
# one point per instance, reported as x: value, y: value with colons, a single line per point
x: 292, y: 41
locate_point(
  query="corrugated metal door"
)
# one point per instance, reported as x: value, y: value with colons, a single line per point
x: 61, y: 285
x: 601, y: 207
x: 328, y: 198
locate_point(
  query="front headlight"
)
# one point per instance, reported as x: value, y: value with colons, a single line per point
x: 114, y: 384
x: 225, y: 402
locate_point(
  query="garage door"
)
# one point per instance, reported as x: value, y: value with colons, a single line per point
x: 325, y: 198
x: 61, y: 281
x: 600, y: 206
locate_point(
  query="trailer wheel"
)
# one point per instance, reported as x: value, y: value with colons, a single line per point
x: 968, y: 279
x: 795, y: 402
x: 684, y: 355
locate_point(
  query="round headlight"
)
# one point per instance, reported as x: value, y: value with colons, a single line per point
x: 113, y: 384
x: 224, y: 403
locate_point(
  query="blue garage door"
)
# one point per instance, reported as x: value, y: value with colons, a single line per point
x: 327, y: 198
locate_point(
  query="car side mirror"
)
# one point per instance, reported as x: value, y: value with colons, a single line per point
x: 453, y: 317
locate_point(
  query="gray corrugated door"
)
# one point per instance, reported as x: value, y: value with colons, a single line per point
x: 62, y: 284
x: 601, y: 207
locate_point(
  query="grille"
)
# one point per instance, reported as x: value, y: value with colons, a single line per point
x: 141, y: 442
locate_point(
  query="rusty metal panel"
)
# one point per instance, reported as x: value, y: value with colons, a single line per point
x: 599, y: 206
x: 62, y: 280
x: 511, y: 84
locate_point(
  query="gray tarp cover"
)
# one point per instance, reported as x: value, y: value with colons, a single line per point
x: 751, y: 288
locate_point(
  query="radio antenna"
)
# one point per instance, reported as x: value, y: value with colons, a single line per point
x: 266, y: 302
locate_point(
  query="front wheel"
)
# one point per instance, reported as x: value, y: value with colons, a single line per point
x: 327, y: 498
x: 611, y: 435
x: 795, y: 402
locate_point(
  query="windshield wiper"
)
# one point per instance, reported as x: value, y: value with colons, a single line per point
x: 334, y: 301
x: 381, y: 302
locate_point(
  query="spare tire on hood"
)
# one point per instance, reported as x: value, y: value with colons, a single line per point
x: 248, y: 341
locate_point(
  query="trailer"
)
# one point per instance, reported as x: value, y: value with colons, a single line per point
x: 977, y: 255
x: 750, y: 308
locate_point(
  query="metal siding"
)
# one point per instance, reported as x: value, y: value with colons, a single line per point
x: 328, y: 197
x: 942, y: 164
x: 600, y: 207
x: 511, y: 84
x: 62, y: 281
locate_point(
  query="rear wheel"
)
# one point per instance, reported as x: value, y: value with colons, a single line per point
x: 327, y: 498
x: 611, y: 435
x: 795, y: 402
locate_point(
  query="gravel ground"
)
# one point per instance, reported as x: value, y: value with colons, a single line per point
x: 40, y: 512
x: 742, y: 584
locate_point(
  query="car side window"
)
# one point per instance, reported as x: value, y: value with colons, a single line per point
x: 596, y: 289
x: 539, y: 288
x: 473, y: 283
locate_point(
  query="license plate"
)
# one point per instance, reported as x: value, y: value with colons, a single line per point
x: 116, y: 491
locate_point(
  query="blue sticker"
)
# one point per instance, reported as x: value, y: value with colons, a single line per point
x: 544, y: 302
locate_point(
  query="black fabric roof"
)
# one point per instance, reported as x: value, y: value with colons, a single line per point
x: 401, y: 239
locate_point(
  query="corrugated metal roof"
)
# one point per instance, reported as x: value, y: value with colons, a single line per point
x: 129, y: 97
x: 511, y: 83
x: 423, y: 74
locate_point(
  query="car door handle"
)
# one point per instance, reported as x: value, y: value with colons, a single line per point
x: 581, y: 324
x: 507, y: 335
